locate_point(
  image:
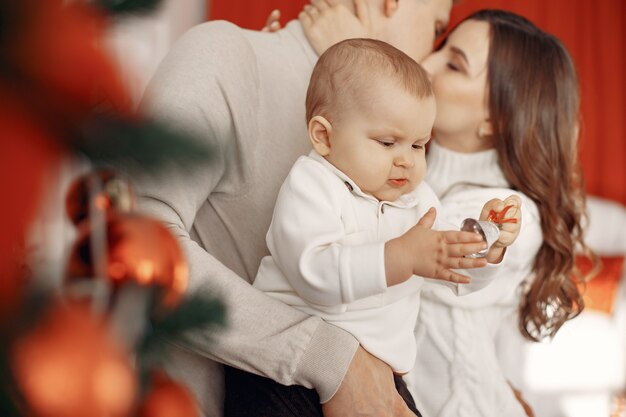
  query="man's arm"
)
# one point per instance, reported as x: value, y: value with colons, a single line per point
x: 262, y: 336
x: 368, y: 390
x: 286, y: 345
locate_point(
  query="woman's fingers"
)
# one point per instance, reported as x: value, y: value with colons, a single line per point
x: 321, y: 5
x: 311, y: 11
x: 334, y: 24
x: 363, y: 13
x: 305, y: 20
x: 272, y: 24
x: 273, y: 27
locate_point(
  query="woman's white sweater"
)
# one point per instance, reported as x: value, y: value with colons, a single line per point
x: 456, y: 373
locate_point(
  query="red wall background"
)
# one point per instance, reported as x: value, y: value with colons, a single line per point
x: 593, y: 30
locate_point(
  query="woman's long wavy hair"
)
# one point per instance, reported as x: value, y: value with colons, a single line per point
x: 534, y: 108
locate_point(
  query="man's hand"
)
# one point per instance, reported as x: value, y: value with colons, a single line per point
x: 431, y: 253
x: 367, y: 390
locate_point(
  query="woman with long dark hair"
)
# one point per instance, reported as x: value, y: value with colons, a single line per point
x: 508, y: 108
x: 507, y: 120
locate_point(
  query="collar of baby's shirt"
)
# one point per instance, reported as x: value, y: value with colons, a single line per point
x: 407, y: 200
x: 294, y: 28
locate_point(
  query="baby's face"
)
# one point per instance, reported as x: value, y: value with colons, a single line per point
x: 380, y: 144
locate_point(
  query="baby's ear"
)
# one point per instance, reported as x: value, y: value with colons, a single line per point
x: 319, y: 134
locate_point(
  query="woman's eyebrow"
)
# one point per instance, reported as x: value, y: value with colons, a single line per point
x: 460, y: 53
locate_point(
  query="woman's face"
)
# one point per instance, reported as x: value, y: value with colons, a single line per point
x: 459, y: 78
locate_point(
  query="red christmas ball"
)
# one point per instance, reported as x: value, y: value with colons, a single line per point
x: 68, y: 366
x: 103, y: 190
x: 168, y: 398
x: 140, y: 250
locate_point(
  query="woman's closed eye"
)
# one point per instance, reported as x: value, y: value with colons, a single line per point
x: 453, y: 67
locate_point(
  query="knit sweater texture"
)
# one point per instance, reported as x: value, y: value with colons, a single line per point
x: 457, y: 373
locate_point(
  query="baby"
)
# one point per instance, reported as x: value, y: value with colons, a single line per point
x: 351, y: 236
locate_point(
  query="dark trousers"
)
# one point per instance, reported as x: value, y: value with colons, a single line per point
x: 249, y: 395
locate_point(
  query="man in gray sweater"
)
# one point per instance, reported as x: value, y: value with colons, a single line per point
x: 243, y: 93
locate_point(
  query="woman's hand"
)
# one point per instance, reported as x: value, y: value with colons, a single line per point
x: 325, y: 25
x: 273, y: 22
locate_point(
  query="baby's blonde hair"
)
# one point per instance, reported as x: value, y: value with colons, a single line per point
x: 344, y: 73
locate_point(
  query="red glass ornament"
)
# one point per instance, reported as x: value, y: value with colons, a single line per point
x: 139, y: 250
x: 168, y: 398
x: 108, y: 191
x: 68, y: 366
x: 57, y: 44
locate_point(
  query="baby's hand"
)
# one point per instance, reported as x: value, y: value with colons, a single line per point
x: 431, y: 253
x: 507, y: 215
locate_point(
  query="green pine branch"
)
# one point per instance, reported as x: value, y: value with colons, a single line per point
x: 195, y: 313
x: 146, y: 146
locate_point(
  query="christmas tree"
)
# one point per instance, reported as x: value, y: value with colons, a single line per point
x: 96, y: 348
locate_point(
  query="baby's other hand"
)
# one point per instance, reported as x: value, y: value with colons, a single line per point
x: 507, y: 215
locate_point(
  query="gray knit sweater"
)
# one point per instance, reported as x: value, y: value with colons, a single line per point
x: 242, y: 92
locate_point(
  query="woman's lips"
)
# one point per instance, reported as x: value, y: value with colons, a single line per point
x: 398, y: 182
